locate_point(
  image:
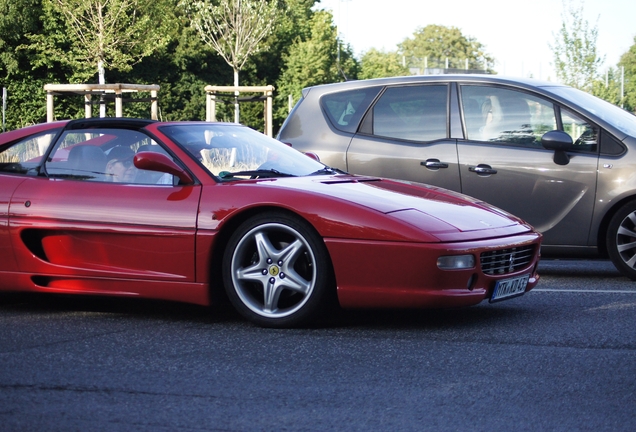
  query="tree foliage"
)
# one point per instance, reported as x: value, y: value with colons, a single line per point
x: 436, y: 43
x: 608, y: 87
x: 379, y: 64
x: 233, y: 28
x: 89, y: 36
x: 574, y: 49
x: 628, y: 61
x: 17, y: 19
x: 19, y: 73
x: 314, y: 60
x: 37, y: 47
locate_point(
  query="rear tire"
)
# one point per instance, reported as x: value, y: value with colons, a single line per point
x: 621, y: 240
x: 277, y: 271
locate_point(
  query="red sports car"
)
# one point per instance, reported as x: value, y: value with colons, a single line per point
x: 182, y: 210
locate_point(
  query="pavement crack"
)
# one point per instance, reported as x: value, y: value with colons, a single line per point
x: 60, y: 342
x: 98, y: 390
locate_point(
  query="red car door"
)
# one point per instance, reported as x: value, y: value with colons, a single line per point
x: 20, y: 155
x: 8, y: 184
x: 95, y: 229
x: 91, y: 215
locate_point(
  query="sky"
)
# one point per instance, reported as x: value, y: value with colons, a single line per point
x: 517, y: 33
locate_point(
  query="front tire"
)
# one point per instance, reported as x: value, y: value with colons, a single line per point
x: 276, y: 271
x: 621, y: 240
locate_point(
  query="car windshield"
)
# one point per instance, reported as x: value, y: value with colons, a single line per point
x: 617, y: 117
x: 231, y: 152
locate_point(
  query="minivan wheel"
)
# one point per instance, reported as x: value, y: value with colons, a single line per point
x: 621, y: 240
x: 277, y: 271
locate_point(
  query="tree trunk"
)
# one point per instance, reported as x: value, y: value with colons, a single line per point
x: 236, y: 95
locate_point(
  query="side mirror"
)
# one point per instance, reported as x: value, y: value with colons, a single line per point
x: 560, y: 142
x: 152, y: 161
x: 313, y: 156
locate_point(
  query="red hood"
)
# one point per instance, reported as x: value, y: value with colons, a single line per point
x: 443, y: 213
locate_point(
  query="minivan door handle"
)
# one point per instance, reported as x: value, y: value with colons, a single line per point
x: 434, y: 164
x: 482, y: 169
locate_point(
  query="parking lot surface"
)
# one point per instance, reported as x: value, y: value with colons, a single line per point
x: 562, y: 357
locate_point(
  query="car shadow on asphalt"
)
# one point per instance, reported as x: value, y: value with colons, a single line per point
x: 578, y: 268
x: 481, y: 314
x: 141, y: 309
x: 130, y: 307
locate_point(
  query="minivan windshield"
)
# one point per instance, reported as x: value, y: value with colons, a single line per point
x: 617, y: 117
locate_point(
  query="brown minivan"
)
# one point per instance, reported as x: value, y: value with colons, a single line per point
x: 561, y: 159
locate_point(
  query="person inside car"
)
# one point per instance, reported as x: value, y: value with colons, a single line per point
x: 120, y: 167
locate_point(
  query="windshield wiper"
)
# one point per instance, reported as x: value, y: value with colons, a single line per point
x: 328, y: 171
x: 259, y: 173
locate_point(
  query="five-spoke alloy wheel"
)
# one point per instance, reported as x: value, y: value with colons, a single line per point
x: 276, y: 270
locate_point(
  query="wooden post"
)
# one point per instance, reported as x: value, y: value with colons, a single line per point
x: 88, y: 108
x: 119, y: 109
x: 213, y: 107
x: 154, y: 104
x: 210, y: 106
x: 50, y: 114
x: 269, y: 129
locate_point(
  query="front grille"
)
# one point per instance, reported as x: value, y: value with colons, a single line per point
x: 504, y: 261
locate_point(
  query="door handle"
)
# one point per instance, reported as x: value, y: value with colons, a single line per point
x: 434, y: 164
x: 482, y: 169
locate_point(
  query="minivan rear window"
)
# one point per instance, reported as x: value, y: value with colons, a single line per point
x: 345, y: 109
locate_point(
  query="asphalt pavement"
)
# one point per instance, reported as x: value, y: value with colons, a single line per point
x: 560, y: 358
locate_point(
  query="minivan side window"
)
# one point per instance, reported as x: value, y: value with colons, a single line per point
x: 345, y: 109
x: 499, y: 115
x: 415, y: 113
x: 584, y: 135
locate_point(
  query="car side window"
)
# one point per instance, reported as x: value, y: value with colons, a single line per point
x: 499, y: 115
x: 23, y: 157
x: 415, y: 113
x: 584, y: 135
x: 104, y: 155
x: 345, y: 109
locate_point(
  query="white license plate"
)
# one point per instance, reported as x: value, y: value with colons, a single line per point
x: 507, y: 288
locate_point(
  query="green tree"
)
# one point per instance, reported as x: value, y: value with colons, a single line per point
x: 182, y: 66
x: 91, y: 35
x: 234, y: 29
x: 293, y: 23
x: 79, y: 39
x: 608, y: 87
x: 265, y: 67
x: 23, y: 81
x: 314, y: 61
x: 17, y: 18
x: 574, y: 49
x: 379, y: 64
x: 434, y: 44
x: 628, y: 61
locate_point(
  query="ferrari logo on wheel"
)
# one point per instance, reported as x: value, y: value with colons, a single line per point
x: 273, y: 270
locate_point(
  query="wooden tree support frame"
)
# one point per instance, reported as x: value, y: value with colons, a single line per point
x: 88, y: 90
x: 268, y: 91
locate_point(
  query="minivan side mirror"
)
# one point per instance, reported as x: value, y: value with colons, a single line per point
x: 560, y: 142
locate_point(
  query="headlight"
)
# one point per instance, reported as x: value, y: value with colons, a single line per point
x: 456, y: 262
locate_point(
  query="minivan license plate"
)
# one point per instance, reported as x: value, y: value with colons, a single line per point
x: 507, y: 288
